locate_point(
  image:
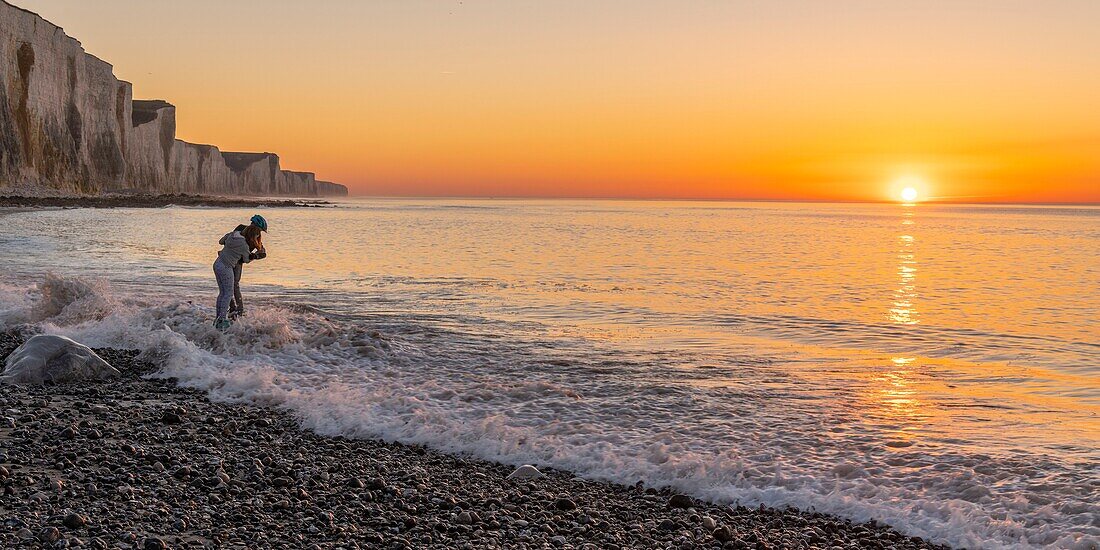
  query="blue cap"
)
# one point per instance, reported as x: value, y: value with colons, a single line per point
x: 260, y: 222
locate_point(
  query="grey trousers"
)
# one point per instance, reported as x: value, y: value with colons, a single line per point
x: 224, y: 275
x: 236, y: 306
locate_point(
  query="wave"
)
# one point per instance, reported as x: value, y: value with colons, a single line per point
x: 517, y: 403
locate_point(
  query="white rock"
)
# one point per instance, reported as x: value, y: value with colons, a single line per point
x: 526, y: 471
x: 46, y: 358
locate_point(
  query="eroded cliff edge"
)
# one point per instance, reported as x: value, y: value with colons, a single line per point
x: 68, y: 126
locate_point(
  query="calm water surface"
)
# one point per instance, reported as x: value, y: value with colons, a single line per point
x: 934, y: 367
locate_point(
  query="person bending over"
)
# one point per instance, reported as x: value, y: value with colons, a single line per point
x: 237, y: 247
x: 256, y: 252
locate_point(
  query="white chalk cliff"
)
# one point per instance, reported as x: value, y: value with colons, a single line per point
x: 68, y: 126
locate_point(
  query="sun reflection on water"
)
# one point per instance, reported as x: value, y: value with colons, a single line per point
x: 897, y: 392
x: 903, y: 311
x: 899, y: 408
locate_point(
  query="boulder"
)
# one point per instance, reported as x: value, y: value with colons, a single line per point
x: 46, y: 358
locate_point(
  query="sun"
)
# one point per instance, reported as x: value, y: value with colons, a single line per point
x: 908, y: 189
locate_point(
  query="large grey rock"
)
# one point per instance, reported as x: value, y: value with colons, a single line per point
x: 67, y: 125
x: 46, y: 358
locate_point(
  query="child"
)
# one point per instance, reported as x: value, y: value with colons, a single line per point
x: 236, y: 250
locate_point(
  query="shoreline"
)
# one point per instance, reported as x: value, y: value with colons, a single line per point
x: 142, y: 463
x: 157, y: 201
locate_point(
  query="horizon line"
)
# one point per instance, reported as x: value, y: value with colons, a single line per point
x: 716, y: 199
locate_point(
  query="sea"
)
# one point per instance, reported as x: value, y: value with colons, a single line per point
x: 932, y: 367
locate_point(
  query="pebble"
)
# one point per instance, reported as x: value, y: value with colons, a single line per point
x: 49, y: 534
x: 723, y: 534
x: 73, y: 521
x: 154, y: 543
x: 526, y: 471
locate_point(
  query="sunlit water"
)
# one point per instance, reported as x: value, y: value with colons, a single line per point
x: 936, y: 368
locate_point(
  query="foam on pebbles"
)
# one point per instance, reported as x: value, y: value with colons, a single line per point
x: 170, y: 469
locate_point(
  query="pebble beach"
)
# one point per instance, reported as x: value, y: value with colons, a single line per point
x: 138, y: 462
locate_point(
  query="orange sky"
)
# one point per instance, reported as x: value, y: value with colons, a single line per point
x: 984, y: 100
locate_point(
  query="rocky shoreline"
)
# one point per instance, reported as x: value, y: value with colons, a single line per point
x: 154, y: 201
x: 141, y: 463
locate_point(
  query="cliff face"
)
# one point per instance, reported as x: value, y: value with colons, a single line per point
x: 67, y: 125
